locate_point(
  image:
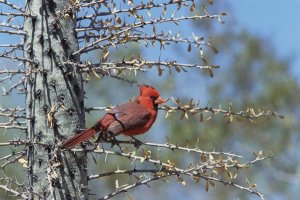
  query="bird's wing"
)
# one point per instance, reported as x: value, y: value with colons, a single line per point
x: 129, y: 116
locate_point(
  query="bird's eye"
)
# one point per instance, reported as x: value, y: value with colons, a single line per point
x: 153, y: 97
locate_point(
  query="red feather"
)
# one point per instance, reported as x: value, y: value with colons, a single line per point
x: 132, y: 118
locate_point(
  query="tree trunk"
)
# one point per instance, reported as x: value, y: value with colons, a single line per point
x: 54, y: 102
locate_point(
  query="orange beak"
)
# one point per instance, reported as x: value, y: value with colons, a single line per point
x: 159, y: 100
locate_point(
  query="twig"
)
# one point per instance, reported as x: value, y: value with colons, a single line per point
x: 193, y: 108
x: 86, y: 47
x: 18, y: 59
x: 12, y: 5
x: 177, y: 147
x: 13, y: 160
x: 20, y: 14
x: 163, y: 39
x: 14, y: 192
x: 8, y: 92
x: 10, y: 26
x: 11, y: 155
x: 18, y: 142
x: 12, y: 71
x: 151, y: 22
x: 138, y: 65
x: 130, y: 10
x: 209, y: 164
x: 158, y: 174
x: 13, y: 32
x: 7, y: 126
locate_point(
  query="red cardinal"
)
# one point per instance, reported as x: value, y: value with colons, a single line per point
x: 132, y: 118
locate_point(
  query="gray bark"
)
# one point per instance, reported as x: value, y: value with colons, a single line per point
x: 54, y: 102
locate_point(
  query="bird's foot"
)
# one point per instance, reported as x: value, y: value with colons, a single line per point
x: 137, y: 143
x: 114, y: 142
x: 97, y: 141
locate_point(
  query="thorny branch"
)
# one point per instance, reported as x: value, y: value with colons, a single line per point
x: 155, y: 178
x: 12, y: 186
x: 14, y: 110
x: 147, y: 6
x: 114, y: 37
x: 128, y: 187
x: 173, y: 147
x: 150, y: 22
x: 15, y: 46
x: 207, y: 169
x: 161, y: 38
x: 14, y: 125
x: 17, y: 58
x: 11, y: 155
x: 12, y: 5
x: 20, y: 14
x: 90, y: 46
x: 136, y: 65
x: 193, y: 108
x: 10, y: 26
x: 13, y: 32
x: 170, y: 146
x: 15, y: 86
x: 12, y: 114
x: 211, y: 161
x: 22, y: 142
x: 15, y: 157
x: 14, y: 192
x: 6, y: 71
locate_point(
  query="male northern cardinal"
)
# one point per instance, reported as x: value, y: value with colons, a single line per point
x: 132, y: 118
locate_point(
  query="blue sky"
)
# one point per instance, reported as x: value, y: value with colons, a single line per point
x: 277, y: 21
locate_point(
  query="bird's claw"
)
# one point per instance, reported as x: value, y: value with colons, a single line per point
x: 97, y: 141
x: 114, y: 142
x: 137, y: 143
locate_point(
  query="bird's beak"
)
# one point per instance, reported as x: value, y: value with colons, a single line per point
x: 159, y: 100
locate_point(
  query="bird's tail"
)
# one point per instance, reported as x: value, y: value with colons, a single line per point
x: 81, y: 137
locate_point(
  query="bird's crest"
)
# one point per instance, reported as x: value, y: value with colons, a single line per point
x: 147, y: 90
